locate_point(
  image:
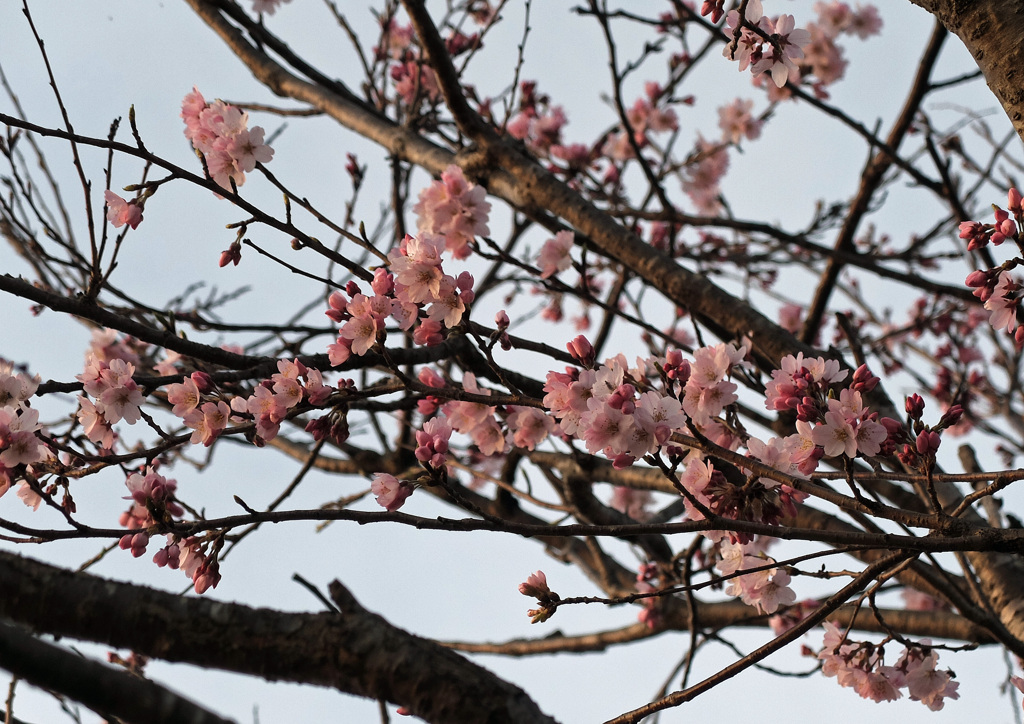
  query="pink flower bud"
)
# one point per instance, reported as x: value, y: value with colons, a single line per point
x: 863, y: 380
x: 623, y: 461
x: 928, y: 442
x: 204, y: 383
x: 536, y: 586
x: 893, y: 427
x: 1013, y: 201
x: 970, y: 229
x: 383, y: 283
x: 430, y: 377
x: 501, y: 320
x: 581, y: 350
x: 231, y: 255
x: 338, y: 305
x: 138, y: 544
x: 977, y: 278
x: 915, y: 406
x: 953, y: 414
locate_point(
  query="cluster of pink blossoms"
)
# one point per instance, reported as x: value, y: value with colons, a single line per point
x: 526, y: 426
x: 153, y: 503
x: 116, y: 397
x: 492, y: 430
x: 778, y: 57
x: 1000, y: 290
x: 617, y: 411
x: 412, y: 75
x: 207, y: 412
x: 627, y: 414
x: 414, y: 278
x: 861, y: 666
x: 796, y: 55
x: 645, y: 116
x: 152, y: 495
x: 539, y: 124
x: 844, y: 426
x: 20, y: 448
x: 737, y: 122
x: 455, y: 209
x: 704, y: 175
x: 766, y: 588
x: 220, y: 132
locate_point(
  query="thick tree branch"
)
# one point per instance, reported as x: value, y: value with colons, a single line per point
x: 357, y: 652
x: 107, y: 691
x: 991, y: 30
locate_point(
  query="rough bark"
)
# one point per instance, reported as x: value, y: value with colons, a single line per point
x: 105, y: 690
x: 993, y: 32
x: 354, y: 651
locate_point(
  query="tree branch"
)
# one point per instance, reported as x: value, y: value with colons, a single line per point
x: 357, y: 652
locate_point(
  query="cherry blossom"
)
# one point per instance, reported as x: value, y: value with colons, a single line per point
x: 554, y: 255
x: 737, y: 122
x: 391, y: 492
x: 220, y: 132
x: 121, y: 212
x: 432, y: 442
x: 455, y: 209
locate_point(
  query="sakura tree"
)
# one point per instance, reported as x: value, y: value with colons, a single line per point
x: 425, y: 305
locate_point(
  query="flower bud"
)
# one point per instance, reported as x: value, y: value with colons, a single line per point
x: 953, y: 414
x: 928, y: 442
x: 204, y: 383
x: 1013, y: 201
x: 581, y: 350
x: 383, y: 283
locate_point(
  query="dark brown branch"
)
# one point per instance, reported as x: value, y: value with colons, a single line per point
x: 869, y: 183
x: 357, y: 652
x: 107, y: 691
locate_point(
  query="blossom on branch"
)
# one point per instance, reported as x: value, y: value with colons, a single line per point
x: 221, y: 134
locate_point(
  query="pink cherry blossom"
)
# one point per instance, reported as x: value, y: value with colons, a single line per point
x: 836, y: 436
x: 790, y: 41
x: 455, y: 209
x: 184, y: 396
x: 220, y: 132
x: 94, y: 424
x: 391, y: 492
x: 554, y: 255
x: 28, y: 496
x: 1004, y: 302
x: 737, y: 122
x: 121, y: 212
x: 529, y: 426
x: 432, y: 442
